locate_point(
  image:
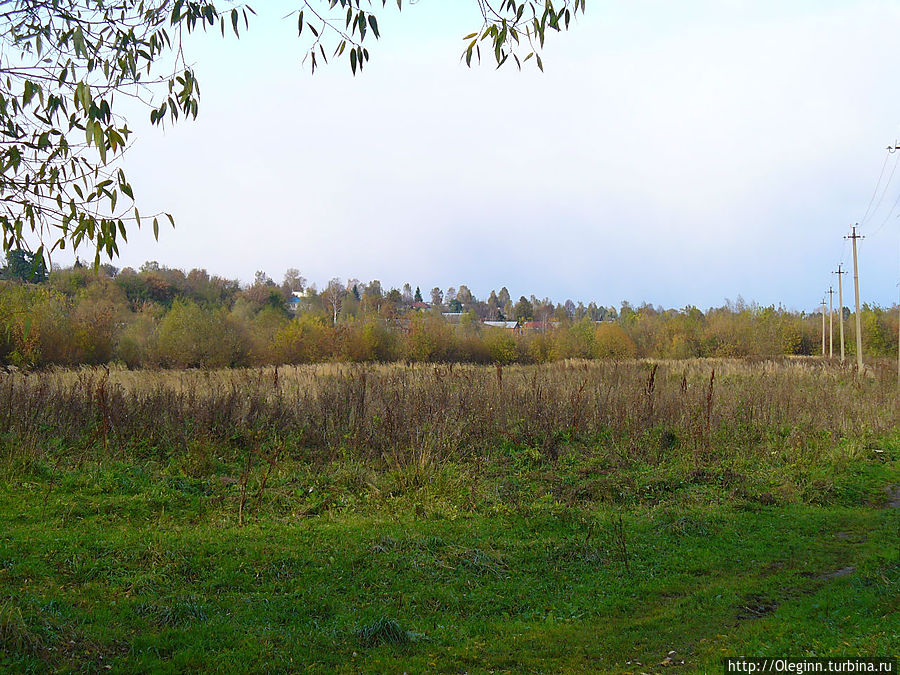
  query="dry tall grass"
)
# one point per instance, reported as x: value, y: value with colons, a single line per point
x: 445, y: 411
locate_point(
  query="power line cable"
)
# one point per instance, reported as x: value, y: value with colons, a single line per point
x: 869, y: 212
x: 887, y: 218
x: 884, y: 191
x: 877, y: 185
x: 843, y: 251
x: 896, y: 202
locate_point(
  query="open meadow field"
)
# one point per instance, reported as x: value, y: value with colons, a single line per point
x: 605, y: 516
x: 468, y: 337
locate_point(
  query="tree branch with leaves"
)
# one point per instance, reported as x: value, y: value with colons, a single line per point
x: 66, y: 64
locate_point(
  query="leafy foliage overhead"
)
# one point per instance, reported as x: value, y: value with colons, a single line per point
x: 66, y: 65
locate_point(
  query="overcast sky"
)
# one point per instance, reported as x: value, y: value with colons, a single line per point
x: 673, y: 152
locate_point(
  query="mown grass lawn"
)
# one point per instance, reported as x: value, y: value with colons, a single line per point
x: 521, y: 564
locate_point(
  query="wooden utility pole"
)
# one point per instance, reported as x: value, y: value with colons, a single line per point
x: 859, y: 358
x: 830, y: 322
x: 823, y: 326
x: 841, y: 273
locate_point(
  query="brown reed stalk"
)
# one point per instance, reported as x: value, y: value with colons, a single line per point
x: 709, y: 402
x: 648, y: 390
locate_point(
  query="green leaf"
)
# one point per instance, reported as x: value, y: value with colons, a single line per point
x: 99, y: 141
x: 78, y: 42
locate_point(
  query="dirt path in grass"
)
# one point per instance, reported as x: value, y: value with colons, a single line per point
x: 893, y: 493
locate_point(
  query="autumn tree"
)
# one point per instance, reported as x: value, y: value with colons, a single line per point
x: 333, y: 296
x: 561, y: 314
x: 493, y: 306
x: 543, y: 309
x: 262, y: 279
x: 464, y: 296
x: 264, y: 292
x: 372, y: 297
x: 193, y: 336
x: 437, y: 297
x: 393, y: 303
x: 524, y: 310
x: 293, y: 282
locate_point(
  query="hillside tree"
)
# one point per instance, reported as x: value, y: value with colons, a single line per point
x: 524, y: 310
x: 293, y: 281
x: 334, y: 295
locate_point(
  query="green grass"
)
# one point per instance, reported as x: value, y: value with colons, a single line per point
x: 517, y: 563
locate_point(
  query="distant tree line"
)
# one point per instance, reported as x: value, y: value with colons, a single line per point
x: 162, y: 317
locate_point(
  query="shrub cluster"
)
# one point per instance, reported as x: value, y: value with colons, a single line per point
x: 164, y: 318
